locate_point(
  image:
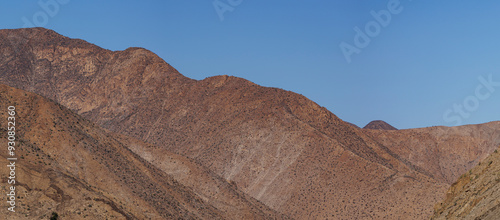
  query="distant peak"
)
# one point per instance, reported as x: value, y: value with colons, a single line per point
x: 379, y: 125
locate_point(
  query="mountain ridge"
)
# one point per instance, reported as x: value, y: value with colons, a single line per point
x: 277, y: 146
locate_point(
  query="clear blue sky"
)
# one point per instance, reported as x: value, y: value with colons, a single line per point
x: 415, y: 68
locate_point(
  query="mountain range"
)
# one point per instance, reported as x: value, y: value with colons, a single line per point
x: 275, y: 152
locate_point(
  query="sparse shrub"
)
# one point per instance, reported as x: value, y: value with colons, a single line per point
x: 54, y: 216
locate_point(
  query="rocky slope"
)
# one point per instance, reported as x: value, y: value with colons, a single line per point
x: 379, y: 125
x: 476, y: 195
x: 279, y: 147
x: 70, y: 166
x: 444, y: 153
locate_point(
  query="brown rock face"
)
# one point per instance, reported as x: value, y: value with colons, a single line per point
x: 476, y: 195
x: 70, y: 166
x: 379, y: 125
x: 279, y: 147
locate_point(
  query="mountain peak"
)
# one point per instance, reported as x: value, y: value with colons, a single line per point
x: 379, y: 125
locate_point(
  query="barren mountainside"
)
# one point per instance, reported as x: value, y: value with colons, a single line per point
x: 70, y: 166
x: 445, y: 153
x: 278, y: 146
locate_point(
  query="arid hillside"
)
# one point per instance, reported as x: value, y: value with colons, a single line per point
x: 278, y: 146
x: 70, y: 166
x: 476, y: 195
x: 444, y: 153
